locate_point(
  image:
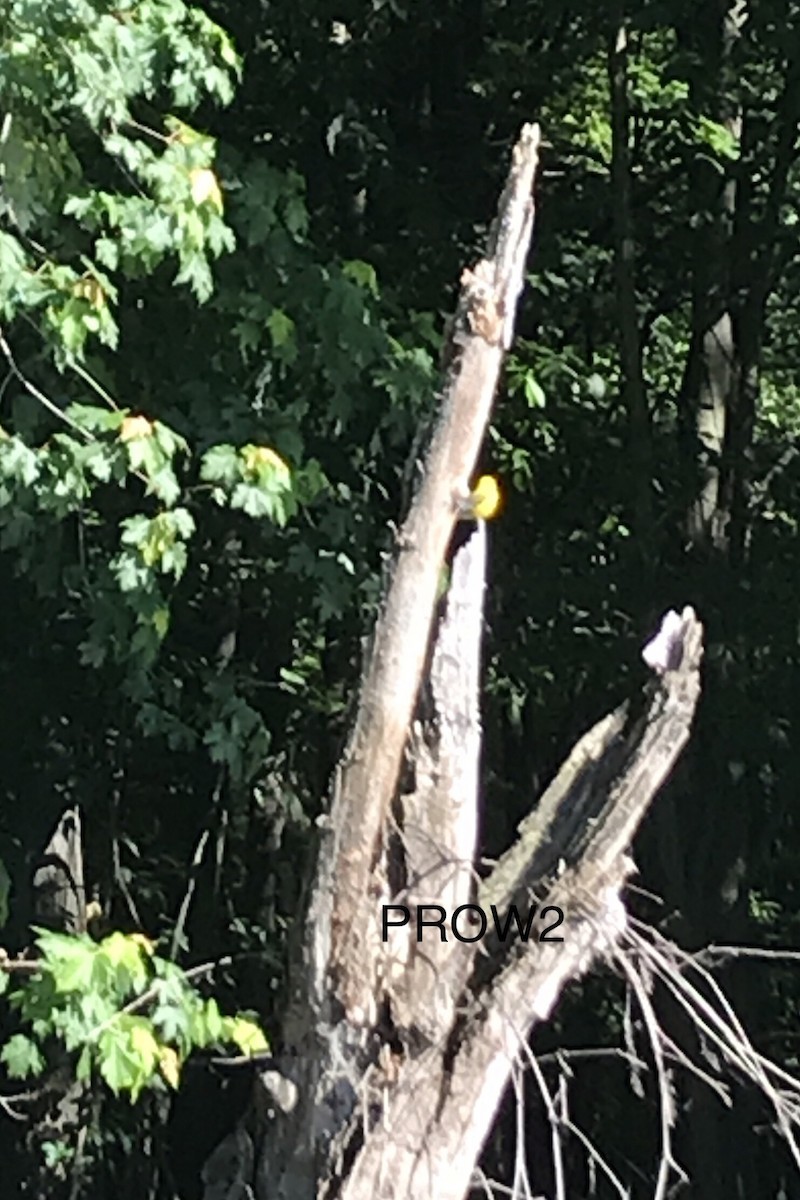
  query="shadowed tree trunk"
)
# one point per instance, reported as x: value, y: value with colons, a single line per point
x: 738, y: 256
x: 630, y: 341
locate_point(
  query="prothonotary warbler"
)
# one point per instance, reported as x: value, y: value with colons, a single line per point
x: 483, y: 502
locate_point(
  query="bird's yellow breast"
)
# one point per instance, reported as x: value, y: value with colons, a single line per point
x: 486, y: 498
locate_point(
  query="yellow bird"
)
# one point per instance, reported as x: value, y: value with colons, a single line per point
x: 483, y: 502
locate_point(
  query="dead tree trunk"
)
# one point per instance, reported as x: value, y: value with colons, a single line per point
x: 396, y: 1050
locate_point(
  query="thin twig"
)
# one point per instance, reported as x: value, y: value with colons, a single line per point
x: 36, y: 393
x: 553, y: 1117
x: 7, y: 1104
x: 92, y: 382
x: 197, y: 858
x: 183, y: 913
x: 667, y: 1160
x: 722, y: 1028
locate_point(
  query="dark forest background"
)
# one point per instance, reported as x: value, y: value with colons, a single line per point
x: 645, y: 433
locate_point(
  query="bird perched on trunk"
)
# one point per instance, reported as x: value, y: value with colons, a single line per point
x: 482, y: 502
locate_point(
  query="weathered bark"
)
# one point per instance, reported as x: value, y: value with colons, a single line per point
x: 432, y: 858
x: 59, y: 895
x: 368, y: 773
x: 571, y: 852
x: 711, y: 375
x: 337, y: 1029
x: 396, y: 1051
x: 399, y: 1111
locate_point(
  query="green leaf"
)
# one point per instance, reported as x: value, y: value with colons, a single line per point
x: 70, y: 960
x: 246, y: 1034
x: 221, y: 464
x: 94, y: 419
x: 281, y: 328
x: 256, y: 502
x: 22, y: 1057
x: 213, y: 1021
x: 722, y: 140
x: 124, y: 956
x: 533, y: 392
x: 363, y: 274
x: 83, y: 1067
x: 18, y: 462
x: 119, y: 1063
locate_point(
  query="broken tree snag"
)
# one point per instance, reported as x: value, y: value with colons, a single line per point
x: 368, y: 774
x: 59, y: 896
x: 571, y: 854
